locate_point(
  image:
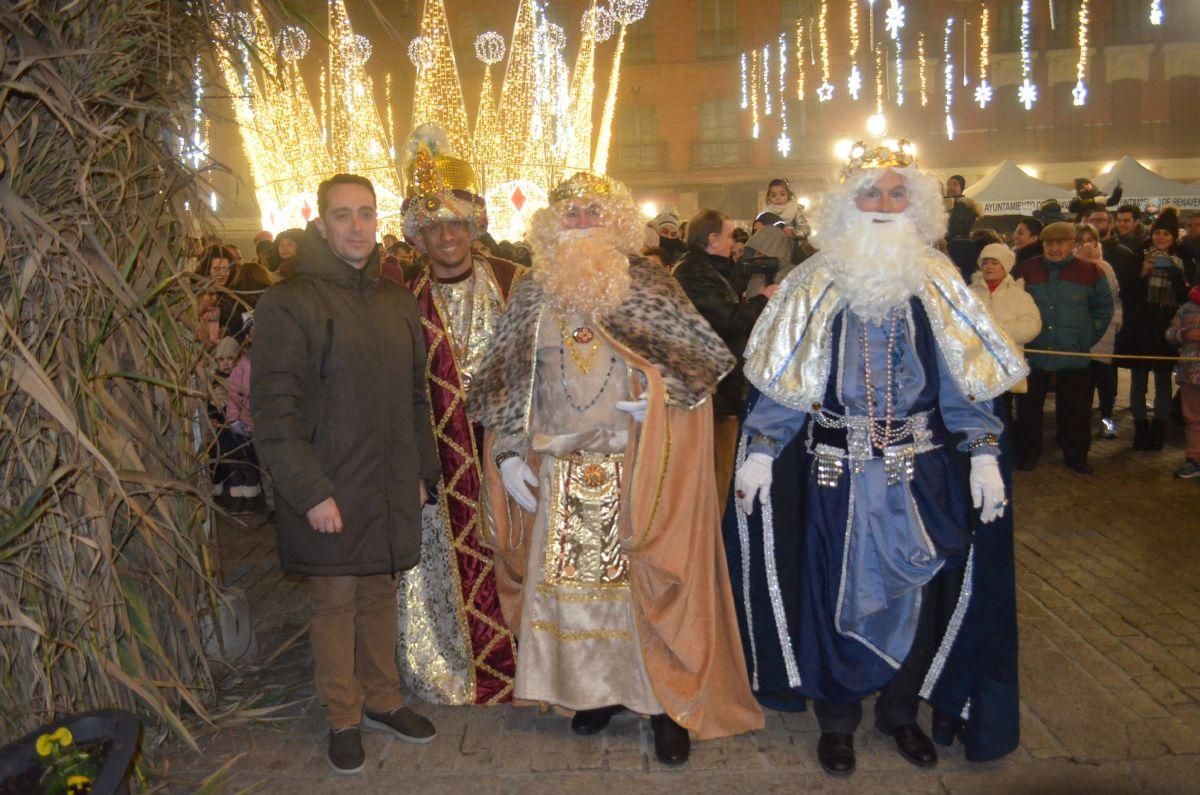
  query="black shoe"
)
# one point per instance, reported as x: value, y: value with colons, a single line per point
x: 593, y: 721
x: 1082, y: 467
x: 835, y: 752
x: 914, y: 745
x: 1158, y: 430
x: 1141, y: 434
x: 345, y: 750
x: 671, y: 742
x: 403, y: 724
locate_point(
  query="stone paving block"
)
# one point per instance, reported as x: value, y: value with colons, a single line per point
x: 1059, y: 777
x: 1161, y: 689
x: 1138, y: 701
x: 1170, y: 775
x: 1167, y: 660
x: 1177, y: 736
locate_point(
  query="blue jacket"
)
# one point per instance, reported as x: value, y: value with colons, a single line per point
x: 1076, y: 305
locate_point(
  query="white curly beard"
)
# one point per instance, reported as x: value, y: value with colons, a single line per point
x: 582, y: 271
x: 878, y: 264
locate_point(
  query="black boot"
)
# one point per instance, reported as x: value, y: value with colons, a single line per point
x: 592, y: 721
x: 671, y: 742
x: 835, y: 752
x: 1158, y: 429
x: 1141, y: 434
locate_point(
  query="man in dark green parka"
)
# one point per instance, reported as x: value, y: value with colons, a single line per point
x: 342, y: 424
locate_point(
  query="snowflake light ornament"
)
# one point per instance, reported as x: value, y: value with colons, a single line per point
x: 894, y: 19
x: 1027, y: 94
x: 854, y: 82
x: 983, y: 93
x: 784, y: 145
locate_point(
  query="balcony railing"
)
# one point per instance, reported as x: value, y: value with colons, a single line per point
x: 721, y: 153
x: 639, y: 156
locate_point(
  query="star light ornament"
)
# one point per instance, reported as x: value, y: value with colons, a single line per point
x: 825, y: 92
x: 1079, y: 93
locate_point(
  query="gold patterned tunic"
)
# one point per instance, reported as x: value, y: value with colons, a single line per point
x: 579, y: 644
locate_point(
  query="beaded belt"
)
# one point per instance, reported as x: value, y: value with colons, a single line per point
x: 899, y: 460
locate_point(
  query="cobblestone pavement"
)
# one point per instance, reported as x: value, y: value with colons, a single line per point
x: 1108, y: 574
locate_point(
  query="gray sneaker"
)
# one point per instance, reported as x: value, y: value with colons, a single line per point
x: 1189, y: 470
x: 401, y: 723
x: 345, y: 750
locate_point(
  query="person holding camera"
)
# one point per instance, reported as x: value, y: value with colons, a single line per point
x: 1154, y: 296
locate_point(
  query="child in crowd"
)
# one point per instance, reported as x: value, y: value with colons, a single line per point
x: 1184, y: 331
x: 237, y: 482
x: 782, y: 202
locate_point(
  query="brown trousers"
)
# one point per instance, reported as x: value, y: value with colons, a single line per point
x: 353, y: 634
x: 725, y: 443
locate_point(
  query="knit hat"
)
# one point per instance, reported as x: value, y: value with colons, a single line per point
x: 1080, y: 182
x: 1059, y: 230
x: 665, y: 219
x: 1168, y: 219
x: 999, y: 252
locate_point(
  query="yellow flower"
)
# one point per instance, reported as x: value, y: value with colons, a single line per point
x: 59, y: 738
x: 78, y: 785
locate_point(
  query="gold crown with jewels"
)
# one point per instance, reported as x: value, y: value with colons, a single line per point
x: 900, y: 154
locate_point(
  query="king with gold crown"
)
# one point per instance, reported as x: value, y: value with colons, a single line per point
x: 454, y: 647
x: 596, y: 396
x: 868, y: 534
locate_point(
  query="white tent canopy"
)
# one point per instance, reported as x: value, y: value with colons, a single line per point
x: 1007, y: 190
x: 1143, y: 187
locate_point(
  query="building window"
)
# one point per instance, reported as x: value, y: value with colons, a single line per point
x: 1068, y: 119
x: 1184, y: 110
x: 1130, y: 22
x: 1126, y: 107
x: 716, y: 28
x: 637, y: 144
x: 1065, y: 33
x: 1008, y: 27
x: 801, y: 9
x: 639, y: 39
x: 719, y: 143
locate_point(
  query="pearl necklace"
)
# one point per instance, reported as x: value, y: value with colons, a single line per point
x: 881, y: 441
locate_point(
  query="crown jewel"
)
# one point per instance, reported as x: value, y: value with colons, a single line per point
x: 886, y: 154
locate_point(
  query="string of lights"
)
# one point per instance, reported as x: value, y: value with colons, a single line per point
x: 880, y: 89
x: 825, y: 90
x: 766, y: 78
x: 948, y: 66
x: 754, y: 94
x: 784, y: 142
x: 1027, y: 92
x: 437, y: 94
x: 489, y: 48
x: 894, y: 22
x: 1079, y: 92
x: 744, y: 64
x: 595, y: 25
x: 800, y: 60
x: 854, y: 81
x: 983, y: 91
x: 921, y: 68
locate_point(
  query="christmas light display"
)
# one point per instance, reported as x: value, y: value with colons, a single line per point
x: 418, y: 53
x: 598, y: 23
x: 1156, y: 12
x: 438, y: 95
x: 1079, y: 92
x: 744, y: 63
x: 983, y: 91
x: 624, y: 13
x: 291, y: 42
x: 489, y: 48
x: 825, y: 90
x: 1027, y: 92
x: 948, y: 66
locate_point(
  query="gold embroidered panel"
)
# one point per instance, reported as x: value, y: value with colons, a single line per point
x: 583, y: 536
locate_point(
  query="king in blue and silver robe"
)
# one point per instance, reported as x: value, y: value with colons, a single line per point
x: 831, y: 575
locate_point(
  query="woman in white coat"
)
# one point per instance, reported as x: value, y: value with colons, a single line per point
x: 1011, y: 306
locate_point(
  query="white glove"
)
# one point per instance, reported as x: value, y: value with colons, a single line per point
x: 754, y: 480
x: 987, y: 487
x: 634, y: 408
x: 517, y: 477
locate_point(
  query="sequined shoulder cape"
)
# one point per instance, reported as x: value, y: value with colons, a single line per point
x: 789, y: 354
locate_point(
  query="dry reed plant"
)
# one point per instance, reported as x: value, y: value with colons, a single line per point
x: 103, y: 555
